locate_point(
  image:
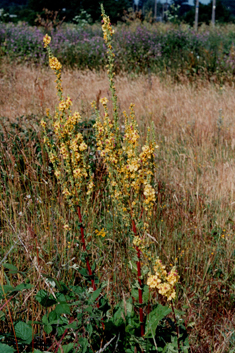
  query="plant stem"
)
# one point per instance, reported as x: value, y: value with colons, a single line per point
x: 177, y: 327
x: 84, y: 247
x: 87, y: 259
x: 140, y: 283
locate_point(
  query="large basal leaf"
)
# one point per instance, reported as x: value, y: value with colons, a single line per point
x: 4, y: 348
x: 62, y: 309
x: 45, y: 299
x: 24, y: 332
x: 154, y: 318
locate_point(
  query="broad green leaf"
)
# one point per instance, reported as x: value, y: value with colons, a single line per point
x: 154, y: 318
x: 22, y: 286
x: 61, y: 298
x: 24, y: 332
x: 95, y: 294
x: 53, y: 280
x: 52, y: 316
x: 66, y: 348
x: 4, y: 348
x: 5, y: 289
x: 84, y: 343
x: 129, y: 308
x: 10, y: 267
x: 47, y: 329
x: 44, y: 320
x: 135, y: 294
x: 45, y: 299
x: 62, y: 309
x: 146, y: 294
x: 118, y: 317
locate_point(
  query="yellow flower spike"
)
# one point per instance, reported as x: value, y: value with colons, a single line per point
x: 55, y: 64
x: 46, y: 40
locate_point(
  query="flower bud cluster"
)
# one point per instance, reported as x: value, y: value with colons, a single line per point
x: 162, y: 281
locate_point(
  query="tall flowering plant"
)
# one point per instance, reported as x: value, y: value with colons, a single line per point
x: 66, y: 149
x: 130, y: 170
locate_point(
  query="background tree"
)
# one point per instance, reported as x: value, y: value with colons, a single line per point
x: 230, y: 5
x: 222, y: 14
x: 184, y: 7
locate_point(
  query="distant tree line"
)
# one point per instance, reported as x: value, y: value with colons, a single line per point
x: 27, y: 10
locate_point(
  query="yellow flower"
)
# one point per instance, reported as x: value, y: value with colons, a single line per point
x: 64, y: 151
x: 83, y: 146
x: 104, y: 101
x: 52, y: 157
x: 57, y: 173
x: 77, y: 173
x: 43, y: 123
x: 46, y: 40
x: 153, y: 281
x: 54, y: 63
x: 100, y: 233
x: 68, y: 102
x: 173, y: 277
x: 62, y: 106
x: 66, y: 192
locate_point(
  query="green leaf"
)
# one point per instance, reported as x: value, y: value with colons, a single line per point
x: 84, y: 343
x: 4, y: 348
x: 44, y: 320
x: 52, y: 316
x: 118, y: 316
x: 129, y: 308
x: 2, y: 316
x: 83, y: 272
x: 146, y: 294
x: 24, y: 332
x: 154, y: 318
x: 45, y: 299
x: 5, y: 289
x: 11, y: 267
x: 47, y: 329
x: 66, y: 348
x: 62, y: 309
x: 22, y: 286
x: 51, y: 279
x: 95, y: 294
x: 61, y: 298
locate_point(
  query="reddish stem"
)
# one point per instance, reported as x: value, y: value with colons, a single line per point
x: 84, y: 248
x: 62, y: 337
x: 140, y: 283
x: 87, y: 259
